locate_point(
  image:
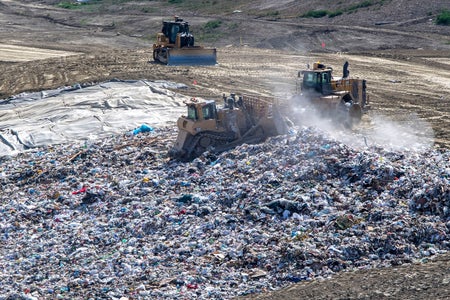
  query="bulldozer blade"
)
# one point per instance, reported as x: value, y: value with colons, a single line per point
x: 192, y: 57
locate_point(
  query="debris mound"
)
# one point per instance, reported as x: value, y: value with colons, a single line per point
x: 118, y: 218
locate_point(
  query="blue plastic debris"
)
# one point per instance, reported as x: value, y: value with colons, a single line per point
x: 142, y: 128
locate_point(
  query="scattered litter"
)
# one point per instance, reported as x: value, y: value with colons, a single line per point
x: 120, y: 220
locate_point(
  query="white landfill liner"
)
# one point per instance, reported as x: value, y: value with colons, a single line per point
x: 76, y: 114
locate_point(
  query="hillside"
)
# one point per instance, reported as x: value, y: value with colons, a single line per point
x: 346, y: 26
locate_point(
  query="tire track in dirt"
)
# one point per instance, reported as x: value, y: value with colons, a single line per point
x: 396, y: 88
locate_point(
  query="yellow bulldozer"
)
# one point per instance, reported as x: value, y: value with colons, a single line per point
x: 343, y: 99
x: 175, y: 46
x: 216, y: 128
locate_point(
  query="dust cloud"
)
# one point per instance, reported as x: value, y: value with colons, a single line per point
x: 411, y: 133
x: 408, y: 133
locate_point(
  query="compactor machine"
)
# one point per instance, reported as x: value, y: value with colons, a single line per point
x: 344, y: 99
x: 175, y: 45
x: 241, y: 119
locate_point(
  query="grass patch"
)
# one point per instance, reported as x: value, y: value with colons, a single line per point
x: 273, y: 14
x: 210, y: 25
x: 208, y: 32
x: 148, y: 10
x: 101, y: 4
x: 357, y: 6
x: 204, y: 6
x: 270, y: 14
x: 443, y: 18
x: 70, y: 5
x: 315, y: 14
x: 215, y: 31
x: 331, y: 14
x: 336, y: 13
x: 233, y: 26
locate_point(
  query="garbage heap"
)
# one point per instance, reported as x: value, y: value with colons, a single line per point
x: 119, y: 219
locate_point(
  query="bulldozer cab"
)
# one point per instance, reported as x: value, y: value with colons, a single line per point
x: 201, y: 111
x: 175, y: 45
x: 171, y: 29
x: 200, y: 116
x: 317, y: 80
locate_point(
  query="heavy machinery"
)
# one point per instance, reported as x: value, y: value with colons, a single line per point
x: 175, y: 45
x: 241, y: 119
x: 343, y: 99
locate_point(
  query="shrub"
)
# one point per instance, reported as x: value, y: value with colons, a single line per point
x: 68, y: 5
x: 335, y: 13
x: 443, y: 18
x: 273, y: 13
x: 315, y: 14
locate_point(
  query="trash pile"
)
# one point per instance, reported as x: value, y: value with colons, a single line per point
x: 118, y: 219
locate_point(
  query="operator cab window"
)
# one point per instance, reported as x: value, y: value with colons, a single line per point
x: 208, y: 111
x: 309, y: 79
x: 173, y: 34
x: 192, y: 113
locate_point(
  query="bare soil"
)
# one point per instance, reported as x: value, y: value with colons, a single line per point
x: 405, y: 60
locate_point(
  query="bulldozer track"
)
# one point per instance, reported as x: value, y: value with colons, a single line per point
x: 221, y: 137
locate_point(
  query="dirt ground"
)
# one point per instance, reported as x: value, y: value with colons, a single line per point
x: 45, y: 47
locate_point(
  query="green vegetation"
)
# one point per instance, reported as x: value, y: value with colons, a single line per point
x: 233, y: 26
x: 212, y: 25
x: 273, y: 14
x: 152, y: 6
x: 336, y: 13
x: 92, y: 4
x: 213, y: 31
x: 70, y: 5
x: 443, y: 18
x: 315, y: 14
x: 208, y: 32
x: 331, y: 14
x: 148, y: 10
x: 205, y: 6
x: 356, y: 6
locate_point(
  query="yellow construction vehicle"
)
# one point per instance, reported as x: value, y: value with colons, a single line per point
x: 344, y: 99
x: 241, y: 119
x: 175, y: 45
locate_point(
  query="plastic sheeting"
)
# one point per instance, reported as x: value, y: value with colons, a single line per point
x: 78, y: 113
